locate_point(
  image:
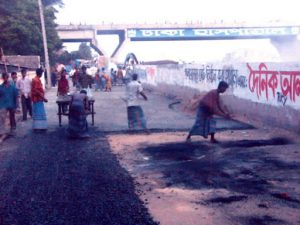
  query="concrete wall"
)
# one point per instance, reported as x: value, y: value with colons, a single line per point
x: 267, y: 92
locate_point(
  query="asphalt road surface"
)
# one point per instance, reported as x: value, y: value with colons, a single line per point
x: 46, y: 178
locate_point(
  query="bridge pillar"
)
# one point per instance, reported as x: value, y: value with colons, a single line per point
x: 288, y: 47
x: 79, y: 34
x: 95, y: 45
x: 121, y: 33
x: 122, y: 41
x: 96, y: 48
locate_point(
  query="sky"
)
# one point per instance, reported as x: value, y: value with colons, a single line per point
x: 255, y: 12
x: 139, y: 11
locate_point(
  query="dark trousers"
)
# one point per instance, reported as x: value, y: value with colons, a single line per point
x: 12, y: 119
x: 26, y: 106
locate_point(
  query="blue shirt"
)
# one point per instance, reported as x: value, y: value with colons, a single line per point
x: 8, y: 96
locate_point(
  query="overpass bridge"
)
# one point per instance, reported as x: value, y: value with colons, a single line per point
x: 284, y: 38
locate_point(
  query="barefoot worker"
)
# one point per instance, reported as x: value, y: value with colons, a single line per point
x: 78, y: 126
x: 208, y: 106
x: 135, y: 114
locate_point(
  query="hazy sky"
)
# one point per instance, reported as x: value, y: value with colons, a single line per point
x: 159, y: 11
x: 131, y: 11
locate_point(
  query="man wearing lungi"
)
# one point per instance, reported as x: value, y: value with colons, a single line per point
x: 208, y: 106
x: 135, y: 114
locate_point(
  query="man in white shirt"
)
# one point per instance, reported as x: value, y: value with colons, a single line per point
x: 24, y: 86
x: 135, y: 114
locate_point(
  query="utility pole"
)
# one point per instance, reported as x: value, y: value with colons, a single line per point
x: 47, y: 65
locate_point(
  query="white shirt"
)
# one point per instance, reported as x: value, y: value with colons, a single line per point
x: 24, y: 85
x: 133, y: 90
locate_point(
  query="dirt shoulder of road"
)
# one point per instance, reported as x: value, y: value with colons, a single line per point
x: 249, y: 178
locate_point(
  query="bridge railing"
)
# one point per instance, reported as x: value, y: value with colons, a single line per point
x: 189, y: 24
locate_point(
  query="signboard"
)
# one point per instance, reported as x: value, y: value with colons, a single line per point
x: 207, y: 33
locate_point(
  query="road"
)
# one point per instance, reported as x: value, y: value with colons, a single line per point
x: 116, y: 177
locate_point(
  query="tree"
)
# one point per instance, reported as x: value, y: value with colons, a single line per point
x: 85, y: 51
x: 52, y: 2
x: 64, y: 57
x: 21, y: 27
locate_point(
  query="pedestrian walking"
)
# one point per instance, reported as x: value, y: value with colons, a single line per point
x: 53, y: 76
x: 97, y: 80
x: 113, y: 75
x: 135, y: 114
x: 107, y: 82
x: 85, y: 80
x: 75, y: 78
x: 63, y: 88
x: 24, y: 87
x: 3, y: 114
x: 8, y: 103
x: 208, y: 106
x: 14, y: 79
x: 38, y: 98
x: 120, y: 76
x: 63, y: 84
x: 103, y: 80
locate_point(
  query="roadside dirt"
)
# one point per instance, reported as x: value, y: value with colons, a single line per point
x: 251, y: 177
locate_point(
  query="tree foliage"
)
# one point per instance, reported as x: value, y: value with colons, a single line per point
x: 20, y: 27
x: 83, y: 52
x: 52, y: 2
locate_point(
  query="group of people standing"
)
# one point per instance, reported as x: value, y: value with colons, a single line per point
x: 31, y: 94
x: 28, y: 92
x: 102, y: 80
x: 205, y: 124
